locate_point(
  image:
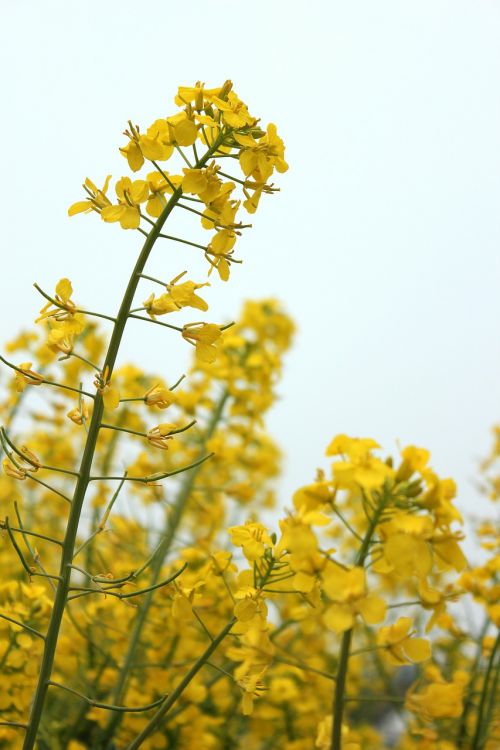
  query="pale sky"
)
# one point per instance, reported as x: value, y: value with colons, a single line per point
x: 383, y: 243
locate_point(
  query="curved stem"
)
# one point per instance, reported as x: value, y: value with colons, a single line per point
x: 160, y: 555
x: 462, y: 730
x: 85, y: 470
x: 175, y: 695
x: 481, y: 727
x: 339, y: 694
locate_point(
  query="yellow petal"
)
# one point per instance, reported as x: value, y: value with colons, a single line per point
x: 130, y: 218
x: 139, y: 191
x: 112, y: 213
x: 111, y: 398
x: 185, y: 132
x: 79, y: 207
x: 372, y: 609
x: 64, y: 290
x: 181, y: 608
x: 338, y: 618
x: 134, y: 156
x: 248, y: 161
x: 303, y: 582
x: 205, y: 352
x: 245, y: 609
x: 223, y: 242
x: 223, y: 269
x: 194, y: 181
x: 449, y: 551
x: 417, y: 649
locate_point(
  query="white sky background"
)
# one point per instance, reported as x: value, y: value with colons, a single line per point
x: 383, y: 243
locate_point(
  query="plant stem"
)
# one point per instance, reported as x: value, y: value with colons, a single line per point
x: 175, y: 695
x: 462, y: 730
x: 160, y: 554
x: 85, y: 471
x: 339, y: 694
x: 481, y: 728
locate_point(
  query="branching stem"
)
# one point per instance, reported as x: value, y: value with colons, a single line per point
x: 84, y: 474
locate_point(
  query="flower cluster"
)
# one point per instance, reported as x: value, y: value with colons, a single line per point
x: 154, y: 594
x: 217, y: 121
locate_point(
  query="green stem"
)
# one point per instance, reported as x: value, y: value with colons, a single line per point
x: 462, y: 730
x: 374, y: 699
x: 493, y: 696
x: 152, y: 725
x: 339, y: 694
x: 43, y: 381
x: 28, y: 628
x: 160, y: 554
x: 85, y: 472
x: 481, y: 727
x: 24, y: 531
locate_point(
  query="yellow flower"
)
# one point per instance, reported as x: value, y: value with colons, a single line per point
x: 159, y: 305
x: 252, y: 537
x: 158, y: 186
x: 95, y: 202
x: 155, y: 144
x: 438, y: 700
x: 194, y: 181
x: 361, y: 468
x: 133, y: 154
x: 253, y: 688
x: 223, y: 242
x: 159, y: 396
x: 283, y: 690
x: 234, y: 111
x: 59, y: 341
x: 399, y: 646
x: 160, y: 435
x: 184, y: 294
x: 204, y: 336
x: 130, y: 196
x: 183, y: 130
x: 260, y: 158
x: 246, y: 609
x: 414, y: 460
x: 198, y: 95
x: 350, y: 740
x: 110, y: 394
x: 79, y: 415
x: 346, y: 590
x: 18, y: 467
x: 314, y: 495
x: 26, y: 376
x: 445, y: 545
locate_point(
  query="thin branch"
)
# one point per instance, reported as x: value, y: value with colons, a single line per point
x: 32, y: 533
x: 164, y: 175
x: 13, y: 724
x: 49, y: 487
x: 152, y: 725
x: 181, y: 152
x: 158, y: 322
x: 82, y: 359
x: 118, y: 584
x: 184, y: 242
x: 29, y: 460
x: 22, y: 625
x: 102, y: 524
x: 153, y: 478
x: 73, y: 310
x: 18, y: 549
x: 33, y: 553
x: 43, y: 381
x: 108, y: 706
